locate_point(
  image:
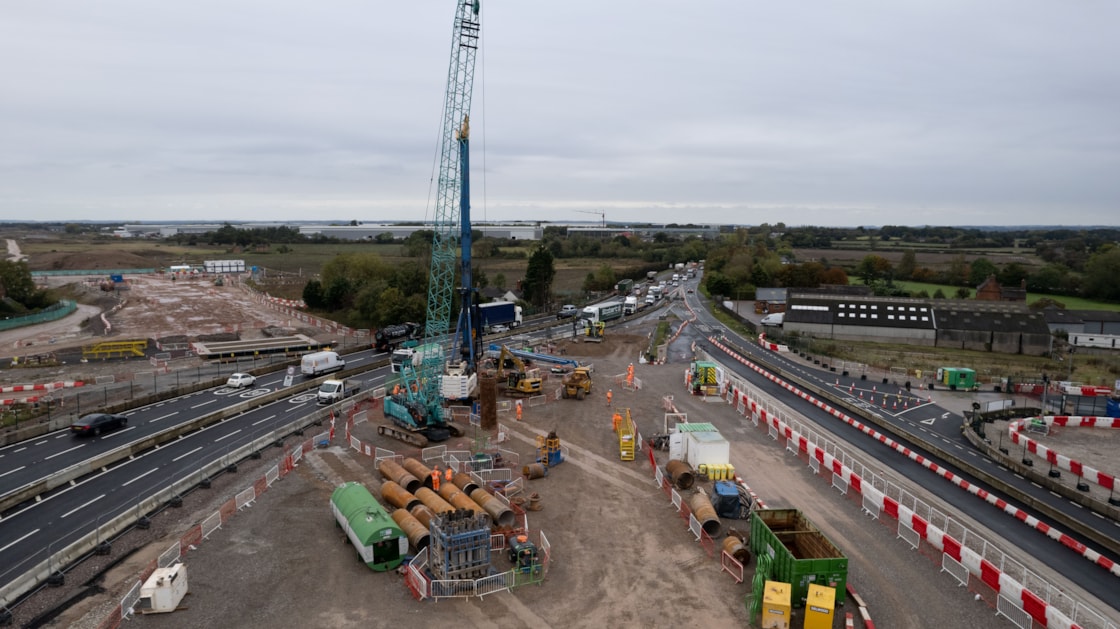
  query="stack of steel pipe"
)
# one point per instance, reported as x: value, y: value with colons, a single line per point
x: 501, y: 514
x: 419, y: 470
x: 680, y: 473
x: 417, y: 533
x: 705, y: 513
x: 458, y: 499
x: 390, y: 470
x: 433, y: 501
x: 398, y: 496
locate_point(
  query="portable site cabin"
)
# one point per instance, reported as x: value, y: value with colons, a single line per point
x: 956, y: 377
x: 381, y: 544
x: 698, y: 444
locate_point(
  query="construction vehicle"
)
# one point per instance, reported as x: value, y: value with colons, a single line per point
x: 521, y: 380
x: 577, y: 384
x: 332, y: 391
x: 595, y: 331
x: 703, y: 378
x: 416, y: 409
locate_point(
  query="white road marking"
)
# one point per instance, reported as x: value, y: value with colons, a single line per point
x: 229, y: 435
x: 183, y: 456
x: 203, y: 404
x: 119, y: 432
x: 12, y: 471
x: 80, y: 507
x: 19, y: 540
x: 64, y: 451
x: 1076, y: 505
x: 152, y: 421
x: 129, y: 482
x: 264, y: 420
x: 39, y: 443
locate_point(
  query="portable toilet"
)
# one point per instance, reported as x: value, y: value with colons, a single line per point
x: 776, y: 612
x: 820, y: 607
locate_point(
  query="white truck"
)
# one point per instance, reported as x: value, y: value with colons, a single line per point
x: 332, y: 391
x: 316, y: 364
x: 415, y: 356
x: 630, y: 305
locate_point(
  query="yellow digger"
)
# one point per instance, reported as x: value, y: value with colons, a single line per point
x: 518, y: 381
x: 577, y: 384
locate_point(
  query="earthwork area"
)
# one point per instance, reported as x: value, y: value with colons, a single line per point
x: 621, y: 555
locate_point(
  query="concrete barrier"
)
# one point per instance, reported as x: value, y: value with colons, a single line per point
x: 27, y: 581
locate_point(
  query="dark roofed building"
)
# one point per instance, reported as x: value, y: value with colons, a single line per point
x: 1009, y: 328
x: 861, y: 318
x: 990, y: 290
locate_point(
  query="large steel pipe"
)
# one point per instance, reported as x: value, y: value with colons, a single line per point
x: 499, y: 512
x: 419, y: 470
x: 398, y: 496
x: 417, y: 533
x: 734, y: 546
x: 458, y: 499
x: 534, y: 471
x: 424, y: 514
x: 464, y: 482
x: 432, y: 501
x: 705, y: 513
x: 390, y: 470
x: 679, y: 473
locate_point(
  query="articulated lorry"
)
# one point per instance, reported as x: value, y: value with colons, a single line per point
x: 500, y: 313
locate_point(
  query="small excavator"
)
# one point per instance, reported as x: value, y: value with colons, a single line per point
x: 518, y: 382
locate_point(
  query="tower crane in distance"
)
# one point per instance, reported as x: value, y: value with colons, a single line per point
x: 417, y: 410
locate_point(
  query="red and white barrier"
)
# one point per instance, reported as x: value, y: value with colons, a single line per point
x: 981, y: 568
x: 43, y: 386
x: 774, y: 347
x: 1092, y: 475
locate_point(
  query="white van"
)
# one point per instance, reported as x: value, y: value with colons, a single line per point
x: 774, y: 319
x: 319, y: 363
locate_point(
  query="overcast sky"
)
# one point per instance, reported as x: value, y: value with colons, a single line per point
x: 940, y: 112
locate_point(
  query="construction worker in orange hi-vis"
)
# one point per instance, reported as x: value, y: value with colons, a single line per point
x: 518, y: 406
x: 616, y: 421
x: 610, y: 394
x: 448, y: 473
x: 435, y: 478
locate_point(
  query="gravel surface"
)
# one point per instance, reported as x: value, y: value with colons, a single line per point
x: 621, y: 555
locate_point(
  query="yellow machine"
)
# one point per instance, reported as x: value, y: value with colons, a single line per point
x: 595, y: 331
x: 518, y: 382
x: 578, y: 383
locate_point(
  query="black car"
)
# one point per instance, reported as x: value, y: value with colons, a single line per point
x: 97, y: 423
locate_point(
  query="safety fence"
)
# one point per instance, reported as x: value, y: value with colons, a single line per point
x: 193, y: 537
x: 1015, y: 591
x: 52, y: 313
x: 1082, y: 471
x: 421, y: 583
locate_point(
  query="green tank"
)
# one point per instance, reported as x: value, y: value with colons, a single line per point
x: 381, y: 544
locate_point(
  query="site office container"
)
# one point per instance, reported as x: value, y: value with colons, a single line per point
x: 956, y: 377
x: 800, y: 554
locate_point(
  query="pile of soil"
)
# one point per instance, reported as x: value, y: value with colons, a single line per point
x: 88, y: 260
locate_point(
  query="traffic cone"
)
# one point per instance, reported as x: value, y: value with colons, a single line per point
x: 905, y: 403
x: 873, y: 389
x: 861, y: 395
x: 851, y: 387
x: 894, y: 407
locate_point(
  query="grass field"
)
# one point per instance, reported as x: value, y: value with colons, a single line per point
x: 1071, y: 303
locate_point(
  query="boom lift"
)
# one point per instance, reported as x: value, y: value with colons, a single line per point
x: 417, y: 409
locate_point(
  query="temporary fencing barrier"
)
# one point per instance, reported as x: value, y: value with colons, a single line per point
x: 990, y: 570
x: 1106, y: 481
x: 422, y: 586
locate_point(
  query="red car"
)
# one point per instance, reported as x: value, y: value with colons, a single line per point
x: 97, y: 423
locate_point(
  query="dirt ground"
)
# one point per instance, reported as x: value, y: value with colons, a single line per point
x: 621, y: 554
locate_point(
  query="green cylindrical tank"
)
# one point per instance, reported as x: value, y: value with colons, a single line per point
x: 381, y: 544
